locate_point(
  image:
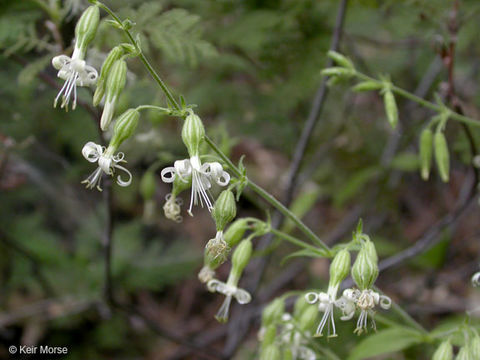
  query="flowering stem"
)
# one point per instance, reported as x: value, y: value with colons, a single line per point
x: 260, y: 191
x: 142, y: 57
x: 425, y: 103
x: 298, y: 242
x: 269, y: 198
x: 153, y: 107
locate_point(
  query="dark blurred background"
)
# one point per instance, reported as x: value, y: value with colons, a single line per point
x: 252, y: 67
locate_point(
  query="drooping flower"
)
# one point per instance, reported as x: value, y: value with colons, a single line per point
x: 325, y: 301
x: 75, y: 72
x: 73, y: 69
x: 202, y: 176
x: 229, y: 290
x: 241, y: 257
x: 365, y: 301
x: 107, y: 163
x: 339, y: 269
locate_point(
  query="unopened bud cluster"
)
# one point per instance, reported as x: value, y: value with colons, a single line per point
x: 287, y: 333
x: 364, y: 272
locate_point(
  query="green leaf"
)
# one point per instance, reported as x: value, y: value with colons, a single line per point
x: 385, y: 342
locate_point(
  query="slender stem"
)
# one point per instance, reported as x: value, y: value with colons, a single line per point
x: 107, y: 244
x: 294, y: 240
x: 425, y: 103
x: 287, y: 213
x: 269, y: 198
x: 142, y: 57
x: 260, y: 191
x: 153, y: 107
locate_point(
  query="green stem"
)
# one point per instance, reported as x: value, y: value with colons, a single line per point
x: 142, y: 57
x: 260, y: 191
x: 294, y: 240
x: 270, y: 199
x: 153, y: 107
x: 435, y: 107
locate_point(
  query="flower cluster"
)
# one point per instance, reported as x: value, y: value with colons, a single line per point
x: 287, y: 335
x: 364, y: 272
x: 74, y: 69
x: 192, y: 172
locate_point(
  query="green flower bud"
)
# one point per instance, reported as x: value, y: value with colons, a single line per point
x: 464, y: 354
x: 288, y: 355
x: 125, y: 126
x: 115, y: 54
x: 271, y: 352
x: 442, y: 156
x: 241, y: 257
x: 391, y: 108
x: 87, y: 27
x: 308, y: 318
x: 340, y: 59
x: 444, y: 351
x: 273, y: 312
x: 115, y: 83
x: 365, y: 268
x: 236, y: 231
x: 367, y: 86
x: 269, y: 336
x: 337, y: 71
x: 216, y: 251
x: 224, y: 210
x: 370, y: 248
x: 147, y: 185
x: 475, y: 347
x: 339, y: 268
x: 426, y: 142
x: 193, y: 133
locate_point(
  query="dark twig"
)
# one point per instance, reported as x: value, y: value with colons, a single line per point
x: 315, y: 110
x: 107, y: 241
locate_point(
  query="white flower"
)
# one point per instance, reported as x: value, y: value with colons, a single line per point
x: 172, y: 208
x: 476, y: 279
x: 295, y: 341
x: 347, y: 303
x: 107, y: 163
x: 242, y: 297
x: 366, y: 302
x: 326, y: 301
x: 201, y: 175
x: 75, y: 72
